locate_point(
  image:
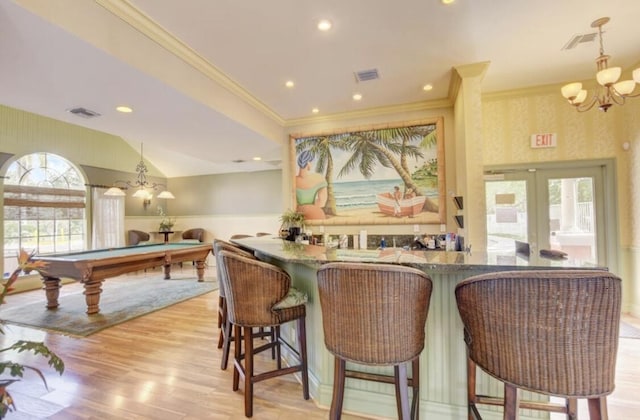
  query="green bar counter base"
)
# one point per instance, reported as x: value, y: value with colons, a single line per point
x: 443, y: 391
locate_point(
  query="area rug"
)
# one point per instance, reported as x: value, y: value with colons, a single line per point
x: 120, y: 301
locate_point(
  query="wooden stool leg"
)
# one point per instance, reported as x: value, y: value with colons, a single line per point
x: 248, y: 372
x: 221, y: 312
x: 338, y: 389
x: 302, y: 339
x: 237, y: 358
x: 598, y: 408
x: 276, y: 341
x: 402, y: 391
x: 415, y: 382
x: 473, y: 413
x: 226, y: 345
x: 572, y: 409
x: 511, y: 402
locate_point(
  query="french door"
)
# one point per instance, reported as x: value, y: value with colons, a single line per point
x: 559, y: 208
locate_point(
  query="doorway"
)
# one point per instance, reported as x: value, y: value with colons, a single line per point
x: 566, y: 207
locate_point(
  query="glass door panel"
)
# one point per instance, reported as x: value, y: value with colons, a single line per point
x: 572, y: 217
x: 507, y: 215
x: 548, y: 208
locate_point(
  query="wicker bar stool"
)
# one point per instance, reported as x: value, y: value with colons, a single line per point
x: 226, y: 335
x: 254, y: 304
x: 553, y: 332
x: 375, y: 314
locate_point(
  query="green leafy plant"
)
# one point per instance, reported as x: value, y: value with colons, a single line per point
x: 11, y: 371
x: 166, y: 222
x: 292, y: 218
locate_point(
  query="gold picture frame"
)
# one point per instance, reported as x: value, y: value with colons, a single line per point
x: 385, y: 174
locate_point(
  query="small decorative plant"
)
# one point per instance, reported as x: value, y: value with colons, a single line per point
x: 15, y: 370
x: 291, y: 219
x: 166, y: 222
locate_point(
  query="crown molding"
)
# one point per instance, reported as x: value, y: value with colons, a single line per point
x: 128, y: 13
x: 371, y: 112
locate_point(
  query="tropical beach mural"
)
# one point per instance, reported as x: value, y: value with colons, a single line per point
x: 382, y: 175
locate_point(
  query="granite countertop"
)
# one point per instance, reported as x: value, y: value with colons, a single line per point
x: 292, y: 252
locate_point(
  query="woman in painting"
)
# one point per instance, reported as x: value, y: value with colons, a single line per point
x: 311, y: 188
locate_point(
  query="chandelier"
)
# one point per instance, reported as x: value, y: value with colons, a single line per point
x: 143, y: 187
x: 609, y: 91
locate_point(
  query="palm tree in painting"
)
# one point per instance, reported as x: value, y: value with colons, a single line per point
x: 390, y: 148
x: 321, y: 147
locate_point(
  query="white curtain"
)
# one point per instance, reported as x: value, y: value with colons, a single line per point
x: 108, y: 220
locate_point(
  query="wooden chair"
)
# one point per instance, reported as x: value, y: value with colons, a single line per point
x: 253, y: 304
x: 375, y: 314
x: 225, y: 338
x: 553, y: 332
x: 135, y: 237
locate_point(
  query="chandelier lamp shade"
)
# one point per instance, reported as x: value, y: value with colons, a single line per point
x: 143, y: 188
x: 609, y: 90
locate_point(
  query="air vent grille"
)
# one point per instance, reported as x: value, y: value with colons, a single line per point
x: 580, y: 39
x: 83, y: 112
x: 366, y: 75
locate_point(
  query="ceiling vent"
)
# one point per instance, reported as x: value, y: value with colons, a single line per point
x: 366, y: 75
x: 83, y: 112
x: 580, y: 39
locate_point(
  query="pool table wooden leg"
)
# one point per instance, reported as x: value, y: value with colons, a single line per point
x: 52, y: 290
x: 92, y: 292
x: 200, y: 269
x: 167, y: 271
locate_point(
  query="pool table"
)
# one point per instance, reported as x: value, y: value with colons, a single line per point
x: 93, y: 267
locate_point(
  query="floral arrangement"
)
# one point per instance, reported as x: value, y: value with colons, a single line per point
x: 13, y: 369
x: 166, y: 222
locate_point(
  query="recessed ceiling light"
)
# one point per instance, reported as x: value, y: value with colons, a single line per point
x: 357, y: 96
x: 427, y: 87
x: 289, y: 84
x: 447, y: 1
x: 257, y: 158
x: 324, y: 25
x: 315, y: 110
x: 124, y: 108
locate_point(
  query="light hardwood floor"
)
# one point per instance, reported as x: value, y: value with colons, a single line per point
x: 165, y: 365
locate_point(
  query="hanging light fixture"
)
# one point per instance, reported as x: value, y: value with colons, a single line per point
x: 609, y: 91
x: 143, y: 187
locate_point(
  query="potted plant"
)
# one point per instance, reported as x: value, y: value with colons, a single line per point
x: 166, y: 222
x: 11, y: 371
x: 292, y: 224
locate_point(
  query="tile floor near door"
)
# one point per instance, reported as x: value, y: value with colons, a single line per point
x: 165, y: 365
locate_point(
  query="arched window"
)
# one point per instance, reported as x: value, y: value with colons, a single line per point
x: 44, y: 207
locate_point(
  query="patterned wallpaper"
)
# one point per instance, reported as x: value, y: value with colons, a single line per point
x: 510, y: 121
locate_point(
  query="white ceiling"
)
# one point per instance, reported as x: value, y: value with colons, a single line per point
x: 206, y: 77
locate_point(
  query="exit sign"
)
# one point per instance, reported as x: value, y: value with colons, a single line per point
x: 539, y: 141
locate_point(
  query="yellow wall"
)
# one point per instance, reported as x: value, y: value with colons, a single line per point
x: 22, y: 133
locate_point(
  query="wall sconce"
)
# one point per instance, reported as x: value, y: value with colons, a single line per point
x: 145, y: 195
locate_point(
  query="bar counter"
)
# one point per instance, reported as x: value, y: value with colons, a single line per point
x: 442, y: 363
